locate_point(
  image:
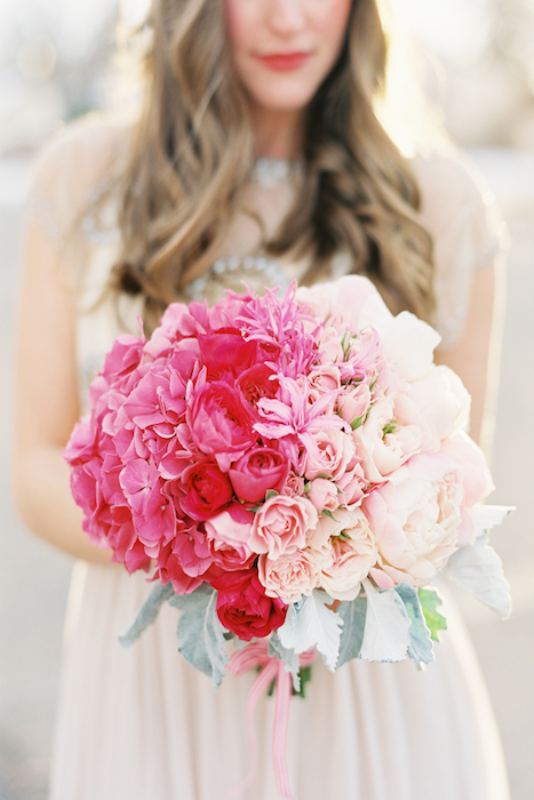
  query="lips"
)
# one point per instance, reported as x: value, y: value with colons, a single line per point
x: 282, y: 62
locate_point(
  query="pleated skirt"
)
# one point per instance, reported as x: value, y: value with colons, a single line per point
x: 141, y: 724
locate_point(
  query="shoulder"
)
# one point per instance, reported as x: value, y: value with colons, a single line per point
x: 75, y: 169
x: 449, y: 182
x: 457, y: 205
x: 82, y: 155
x: 459, y: 211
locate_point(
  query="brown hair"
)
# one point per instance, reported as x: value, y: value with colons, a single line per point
x: 193, y: 149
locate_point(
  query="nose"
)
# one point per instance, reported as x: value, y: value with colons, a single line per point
x: 287, y: 16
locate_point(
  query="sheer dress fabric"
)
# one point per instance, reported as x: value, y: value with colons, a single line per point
x: 141, y: 724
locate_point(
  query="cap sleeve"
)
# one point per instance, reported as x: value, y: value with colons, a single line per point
x: 71, y: 175
x: 468, y: 231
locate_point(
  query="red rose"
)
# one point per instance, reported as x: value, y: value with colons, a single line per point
x: 257, y: 471
x: 244, y: 608
x: 208, y: 490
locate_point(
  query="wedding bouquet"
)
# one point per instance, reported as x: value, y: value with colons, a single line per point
x: 293, y: 473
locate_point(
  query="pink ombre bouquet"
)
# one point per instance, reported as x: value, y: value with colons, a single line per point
x: 292, y: 473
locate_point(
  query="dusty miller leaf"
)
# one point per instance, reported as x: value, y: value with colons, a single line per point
x: 353, y: 615
x: 430, y: 602
x: 289, y: 657
x: 200, y: 633
x: 386, y: 634
x: 486, y: 517
x: 147, y: 613
x: 420, y: 641
x: 477, y: 568
x: 309, y: 623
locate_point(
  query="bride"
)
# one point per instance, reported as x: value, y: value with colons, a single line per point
x: 258, y: 156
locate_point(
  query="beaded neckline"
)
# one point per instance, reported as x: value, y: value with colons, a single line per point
x: 268, y: 270
x: 270, y: 172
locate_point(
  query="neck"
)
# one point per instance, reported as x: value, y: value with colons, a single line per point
x: 278, y: 134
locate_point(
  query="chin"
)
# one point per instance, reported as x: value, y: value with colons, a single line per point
x: 283, y: 99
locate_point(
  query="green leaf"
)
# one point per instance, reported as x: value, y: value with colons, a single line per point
x: 430, y: 602
x: 200, y: 633
x: 270, y: 493
x: 147, y: 613
x: 305, y: 678
x: 353, y: 615
x: 328, y: 513
x: 420, y: 643
x: 356, y: 423
x: 390, y: 427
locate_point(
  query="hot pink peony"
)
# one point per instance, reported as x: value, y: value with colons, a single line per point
x: 206, y: 490
x: 228, y: 536
x: 220, y: 422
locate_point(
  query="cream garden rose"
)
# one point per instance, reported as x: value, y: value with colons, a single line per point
x: 344, y: 548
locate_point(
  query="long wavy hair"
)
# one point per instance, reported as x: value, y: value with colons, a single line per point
x: 193, y: 149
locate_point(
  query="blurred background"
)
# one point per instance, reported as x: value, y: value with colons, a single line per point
x: 476, y: 62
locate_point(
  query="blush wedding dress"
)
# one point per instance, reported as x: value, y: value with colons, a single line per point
x: 141, y: 724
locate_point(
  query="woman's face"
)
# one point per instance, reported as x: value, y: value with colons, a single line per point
x: 282, y: 50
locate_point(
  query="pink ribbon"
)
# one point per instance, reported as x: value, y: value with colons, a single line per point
x: 256, y: 654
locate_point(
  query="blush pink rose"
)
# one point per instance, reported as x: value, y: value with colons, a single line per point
x: 259, y: 470
x: 244, y: 608
x: 228, y: 535
x: 330, y: 349
x: 323, y: 494
x: 354, y: 403
x: 322, y: 380
x: 289, y: 576
x: 281, y: 524
x: 335, y: 449
x: 294, y: 485
x: 416, y: 521
x: 353, y: 484
x: 348, y: 556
